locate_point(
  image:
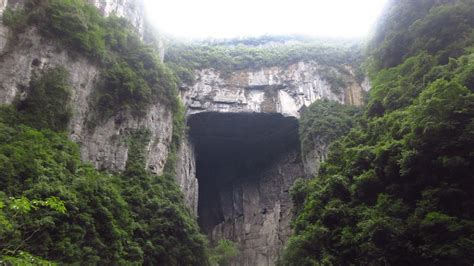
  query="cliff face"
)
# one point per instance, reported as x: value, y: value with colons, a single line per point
x: 242, y: 198
x: 258, y: 211
x: 133, y: 10
x: 249, y: 202
x: 246, y: 164
x: 272, y: 89
x: 186, y: 174
x: 105, y: 146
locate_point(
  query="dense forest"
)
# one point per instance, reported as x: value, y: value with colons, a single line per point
x: 398, y: 188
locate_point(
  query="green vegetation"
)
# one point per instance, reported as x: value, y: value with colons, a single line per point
x: 40, y: 109
x: 445, y: 31
x: 223, y: 252
x: 398, y: 188
x: 13, y: 213
x: 133, y: 76
x: 15, y: 19
x: 325, y: 121
x: 133, y: 217
x: 240, y: 54
x: 166, y: 232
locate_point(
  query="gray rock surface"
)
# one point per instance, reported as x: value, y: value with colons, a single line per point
x: 258, y: 212
x: 186, y: 174
x: 271, y: 89
x: 132, y: 10
x: 104, y: 146
x: 246, y: 164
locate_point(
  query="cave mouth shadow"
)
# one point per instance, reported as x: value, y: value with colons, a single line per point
x: 233, y: 147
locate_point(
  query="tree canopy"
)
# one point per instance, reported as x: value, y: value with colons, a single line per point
x: 397, y: 189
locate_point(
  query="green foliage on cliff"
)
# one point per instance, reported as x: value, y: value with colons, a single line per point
x: 133, y: 76
x: 134, y: 217
x: 74, y: 22
x: 398, y: 188
x: 128, y: 218
x: 166, y: 232
x: 13, y: 213
x: 15, y: 19
x: 47, y: 102
x: 238, y: 55
x: 222, y: 254
x: 325, y: 121
x: 446, y: 29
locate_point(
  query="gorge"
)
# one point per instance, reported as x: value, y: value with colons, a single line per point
x: 242, y: 153
x: 159, y: 149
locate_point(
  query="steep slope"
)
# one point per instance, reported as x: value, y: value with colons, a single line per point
x: 67, y: 71
x: 398, y: 189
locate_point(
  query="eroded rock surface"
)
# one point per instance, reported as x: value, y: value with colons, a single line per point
x: 186, y: 175
x: 105, y: 144
x: 271, y: 89
x: 246, y: 164
x: 132, y: 10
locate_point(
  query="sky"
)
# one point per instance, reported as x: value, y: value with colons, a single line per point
x: 246, y: 18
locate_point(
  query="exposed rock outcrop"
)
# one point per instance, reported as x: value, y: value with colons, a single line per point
x: 246, y: 164
x: 262, y: 226
x: 132, y: 10
x: 105, y: 146
x: 244, y: 188
x: 3, y: 30
x: 271, y: 89
x: 186, y: 174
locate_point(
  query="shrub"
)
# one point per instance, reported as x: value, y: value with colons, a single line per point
x: 47, y: 105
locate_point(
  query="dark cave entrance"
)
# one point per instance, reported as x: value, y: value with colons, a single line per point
x: 235, y: 147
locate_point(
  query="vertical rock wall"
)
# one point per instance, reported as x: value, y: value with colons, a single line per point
x: 246, y: 164
x: 276, y: 89
x: 258, y: 212
x: 186, y: 174
x: 132, y: 10
x: 105, y: 145
x: 3, y: 30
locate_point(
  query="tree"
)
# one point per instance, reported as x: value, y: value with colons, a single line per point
x: 223, y: 253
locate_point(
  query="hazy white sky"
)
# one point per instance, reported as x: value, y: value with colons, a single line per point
x: 233, y: 18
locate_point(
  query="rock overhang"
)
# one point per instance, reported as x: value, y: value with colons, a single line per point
x: 277, y: 89
x: 232, y: 149
x: 241, y: 139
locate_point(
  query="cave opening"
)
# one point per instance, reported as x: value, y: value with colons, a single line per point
x: 232, y: 151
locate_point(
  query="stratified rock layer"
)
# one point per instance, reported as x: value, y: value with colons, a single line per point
x: 271, y: 89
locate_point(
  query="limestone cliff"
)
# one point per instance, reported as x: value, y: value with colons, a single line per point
x: 186, y: 174
x: 133, y: 10
x: 259, y: 211
x: 246, y: 183
x: 105, y: 147
x: 246, y: 164
x: 270, y: 89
